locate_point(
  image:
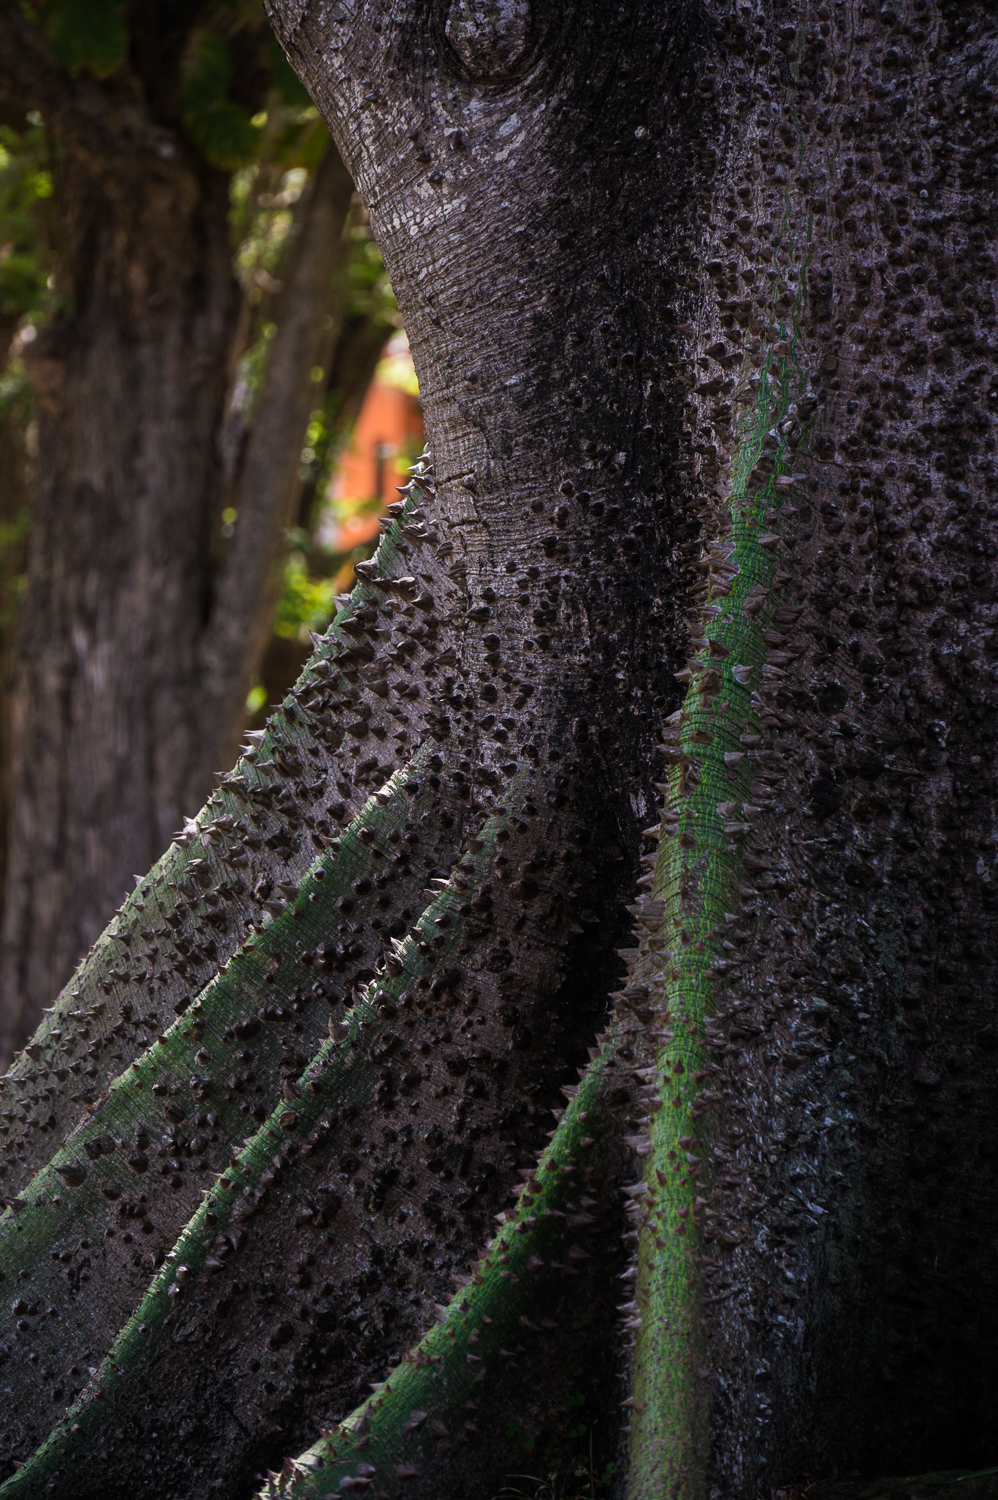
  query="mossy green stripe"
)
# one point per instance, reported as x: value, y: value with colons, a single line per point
x: 51, y: 1216
x: 345, y: 1073
x: 697, y: 878
x: 94, y: 979
x: 458, y: 1358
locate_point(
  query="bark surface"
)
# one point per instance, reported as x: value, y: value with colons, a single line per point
x: 837, y: 248
x: 701, y: 310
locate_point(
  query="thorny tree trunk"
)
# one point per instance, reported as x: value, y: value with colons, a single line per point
x: 701, y: 310
x: 138, y: 643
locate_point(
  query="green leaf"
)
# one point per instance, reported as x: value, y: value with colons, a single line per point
x: 21, y: 284
x: 222, y: 130
x: 26, y: 249
x: 306, y: 603
x: 287, y: 85
x: 207, y: 75
x: 87, y: 34
x: 224, y: 134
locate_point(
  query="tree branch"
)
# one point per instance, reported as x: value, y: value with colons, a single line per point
x: 250, y: 582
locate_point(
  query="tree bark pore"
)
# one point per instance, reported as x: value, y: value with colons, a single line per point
x: 707, y: 377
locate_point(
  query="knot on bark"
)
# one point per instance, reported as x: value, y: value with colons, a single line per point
x: 490, y: 37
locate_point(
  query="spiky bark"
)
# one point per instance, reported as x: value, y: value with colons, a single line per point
x: 797, y: 1073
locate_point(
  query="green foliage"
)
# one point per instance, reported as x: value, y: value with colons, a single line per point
x: 253, y: 365
x: 264, y: 196
x: 369, y: 288
x: 13, y: 539
x: 25, y: 238
x: 20, y: 283
x: 369, y: 298
x: 90, y: 34
x: 264, y: 193
x: 16, y: 410
x: 222, y: 130
x: 25, y: 261
x: 323, y: 441
x: 306, y: 604
x: 208, y: 74
x: 223, y: 133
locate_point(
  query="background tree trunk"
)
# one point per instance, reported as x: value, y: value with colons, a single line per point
x: 140, y: 631
x: 131, y: 384
x: 15, y: 440
x: 656, y: 293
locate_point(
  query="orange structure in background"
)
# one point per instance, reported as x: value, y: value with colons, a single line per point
x: 387, y: 437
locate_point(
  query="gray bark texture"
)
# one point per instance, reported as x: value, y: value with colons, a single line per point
x: 139, y: 638
x: 701, y: 306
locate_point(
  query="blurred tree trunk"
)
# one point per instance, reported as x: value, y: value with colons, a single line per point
x: 130, y: 383
x: 351, y: 368
x: 138, y: 632
x: 15, y: 433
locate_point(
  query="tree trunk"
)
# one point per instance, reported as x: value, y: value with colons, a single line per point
x: 138, y: 644
x: 705, y: 374
x: 130, y: 384
x: 840, y: 311
x: 15, y: 428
